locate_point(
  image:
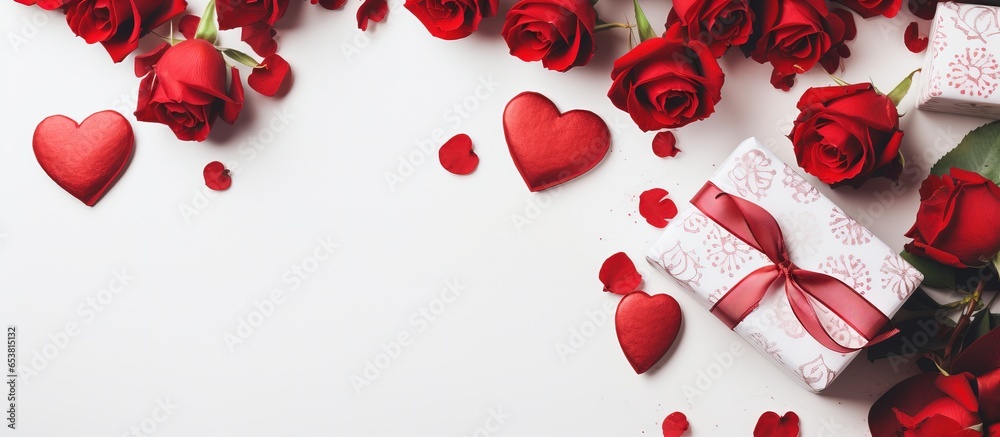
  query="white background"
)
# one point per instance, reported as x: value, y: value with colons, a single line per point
x: 360, y: 106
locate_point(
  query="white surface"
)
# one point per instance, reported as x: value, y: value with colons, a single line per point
x: 495, y: 346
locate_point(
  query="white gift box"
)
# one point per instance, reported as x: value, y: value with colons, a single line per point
x: 961, y: 72
x: 708, y: 261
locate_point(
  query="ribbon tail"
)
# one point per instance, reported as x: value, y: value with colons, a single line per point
x: 843, y: 301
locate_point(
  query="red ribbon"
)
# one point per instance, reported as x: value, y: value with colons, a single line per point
x: 757, y: 228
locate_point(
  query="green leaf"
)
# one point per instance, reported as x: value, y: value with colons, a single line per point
x: 241, y: 57
x: 979, y: 152
x: 936, y: 275
x: 921, y: 301
x: 897, y: 93
x: 208, y: 30
x: 839, y: 81
x: 645, y: 30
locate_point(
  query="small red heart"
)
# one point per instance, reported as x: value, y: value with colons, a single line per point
x: 457, y: 157
x: 217, y: 176
x: 647, y: 326
x: 550, y: 147
x: 84, y: 159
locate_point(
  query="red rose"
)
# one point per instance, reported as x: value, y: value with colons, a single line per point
x: 936, y: 405
x: 560, y: 33
x: 717, y: 23
x: 958, y: 222
x: 847, y: 135
x: 871, y: 8
x: 452, y: 19
x: 664, y: 83
x: 795, y: 35
x: 185, y: 88
x: 118, y: 24
x: 239, y: 13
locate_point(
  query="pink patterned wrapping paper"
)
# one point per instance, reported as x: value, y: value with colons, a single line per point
x: 962, y: 68
x: 707, y: 261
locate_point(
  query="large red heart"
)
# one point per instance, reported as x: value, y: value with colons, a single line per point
x: 647, y: 326
x: 84, y: 159
x: 550, y: 147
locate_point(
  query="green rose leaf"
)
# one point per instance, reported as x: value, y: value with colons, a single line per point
x: 208, y: 30
x: 645, y: 30
x: 241, y: 57
x: 936, y: 275
x: 897, y: 93
x: 979, y: 152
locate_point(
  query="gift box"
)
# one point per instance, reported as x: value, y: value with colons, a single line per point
x: 962, y: 68
x: 784, y: 267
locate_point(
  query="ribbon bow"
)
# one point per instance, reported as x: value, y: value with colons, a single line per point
x: 757, y: 228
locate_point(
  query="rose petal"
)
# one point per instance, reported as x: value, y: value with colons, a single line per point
x: 772, y: 425
x: 656, y: 208
x: 260, y: 38
x: 145, y: 62
x: 269, y: 76
x: 217, y: 176
x: 675, y: 424
x: 665, y: 144
x: 374, y: 10
x: 618, y: 274
x: 911, y: 37
x: 188, y: 25
x: 231, y: 109
x: 457, y: 156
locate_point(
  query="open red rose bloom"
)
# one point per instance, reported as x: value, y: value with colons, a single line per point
x: 938, y: 405
x: 185, y: 88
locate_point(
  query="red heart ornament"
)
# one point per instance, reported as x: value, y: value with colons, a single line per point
x: 647, y: 326
x: 84, y: 159
x: 550, y: 147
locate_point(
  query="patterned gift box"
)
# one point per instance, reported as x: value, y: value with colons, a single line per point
x: 962, y: 68
x: 709, y: 261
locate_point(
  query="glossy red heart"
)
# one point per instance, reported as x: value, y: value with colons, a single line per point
x: 550, y: 147
x: 647, y: 326
x: 84, y: 159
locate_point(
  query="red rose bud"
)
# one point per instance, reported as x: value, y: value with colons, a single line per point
x: 185, y: 89
x: 664, y: 83
x: 118, y: 24
x: 958, y: 222
x: 719, y: 24
x: 560, y: 33
x: 239, y: 13
x: 452, y: 19
x: 871, y: 8
x: 795, y: 35
x: 847, y: 135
